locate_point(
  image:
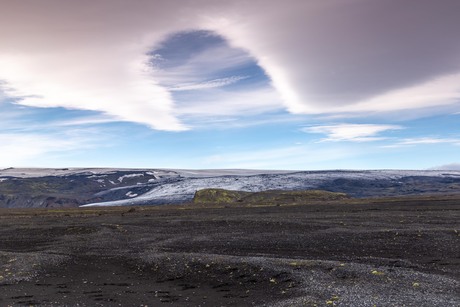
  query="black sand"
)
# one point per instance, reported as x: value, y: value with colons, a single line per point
x: 348, y: 253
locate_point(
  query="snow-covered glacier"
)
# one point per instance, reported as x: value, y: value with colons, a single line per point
x: 71, y: 187
x: 356, y: 183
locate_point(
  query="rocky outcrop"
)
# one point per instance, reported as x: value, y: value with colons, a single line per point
x: 273, y: 197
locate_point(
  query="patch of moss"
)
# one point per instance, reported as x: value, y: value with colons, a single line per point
x: 272, y: 197
x: 218, y: 196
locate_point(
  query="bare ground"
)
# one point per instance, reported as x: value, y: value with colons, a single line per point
x: 391, y: 252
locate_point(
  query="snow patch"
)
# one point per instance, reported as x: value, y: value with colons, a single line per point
x: 96, y: 176
x: 120, y: 179
x: 131, y: 194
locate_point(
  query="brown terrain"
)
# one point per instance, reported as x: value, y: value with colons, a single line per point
x: 326, y: 252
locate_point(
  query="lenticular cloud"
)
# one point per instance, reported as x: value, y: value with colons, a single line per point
x: 321, y: 56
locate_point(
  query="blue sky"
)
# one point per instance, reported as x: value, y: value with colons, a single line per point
x: 302, y: 86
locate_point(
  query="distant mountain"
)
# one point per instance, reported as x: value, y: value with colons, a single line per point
x: 112, y: 187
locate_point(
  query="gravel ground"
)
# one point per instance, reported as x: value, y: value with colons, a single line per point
x: 374, y: 253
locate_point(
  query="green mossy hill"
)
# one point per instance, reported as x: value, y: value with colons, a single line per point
x: 218, y: 196
x: 272, y: 197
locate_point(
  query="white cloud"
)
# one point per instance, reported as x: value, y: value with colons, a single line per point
x: 423, y: 141
x: 218, y: 102
x: 83, y: 56
x: 23, y: 120
x: 87, y: 120
x: 207, y: 84
x: 320, y: 55
x: 428, y: 140
x: 351, y: 132
x: 212, y: 61
x: 123, y: 91
x: 204, y: 101
x: 441, y: 91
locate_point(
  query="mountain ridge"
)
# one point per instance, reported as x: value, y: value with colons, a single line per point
x: 71, y: 187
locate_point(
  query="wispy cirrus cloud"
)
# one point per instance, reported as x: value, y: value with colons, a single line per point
x: 428, y: 140
x: 208, y: 57
x: 218, y: 102
x: 190, y: 74
x: 20, y: 119
x: 83, y: 121
x: 351, y: 132
x: 207, y: 84
x: 405, y: 142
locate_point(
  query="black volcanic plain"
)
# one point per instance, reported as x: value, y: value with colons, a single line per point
x: 401, y: 251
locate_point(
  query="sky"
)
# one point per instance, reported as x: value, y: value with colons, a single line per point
x: 205, y: 84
